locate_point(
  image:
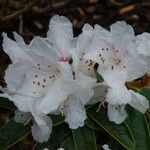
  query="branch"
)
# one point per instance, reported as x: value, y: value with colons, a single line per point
x: 19, y: 12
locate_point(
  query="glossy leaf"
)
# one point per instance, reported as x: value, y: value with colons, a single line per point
x: 11, y: 133
x: 139, y: 128
x: 118, y: 132
x: 84, y: 138
x: 146, y: 93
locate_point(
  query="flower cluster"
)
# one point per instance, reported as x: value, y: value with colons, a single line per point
x: 56, y: 74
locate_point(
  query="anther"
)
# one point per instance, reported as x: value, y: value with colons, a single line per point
x: 70, y: 61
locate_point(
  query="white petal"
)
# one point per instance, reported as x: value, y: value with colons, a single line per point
x: 14, y: 51
x: 18, y: 38
x: 23, y: 103
x: 41, y: 47
x: 135, y: 67
x: 143, y: 44
x: 42, y: 132
x: 121, y: 27
x: 139, y: 102
x: 14, y: 76
x: 75, y: 114
x: 58, y: 91
x: 21, y: 117
x: 114, y: 79
x: 60, y: 32
x: 116, y: 113
x: 84, y: 38
x: 118, y: 96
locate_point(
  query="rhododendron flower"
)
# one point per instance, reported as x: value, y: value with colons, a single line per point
x: 143, y: 48
x: 28, y: 78
x: 111, y: 50
x: 55, y: 82
x: 60, y: 37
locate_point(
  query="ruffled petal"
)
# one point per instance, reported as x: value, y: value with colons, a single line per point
x: 116, y: 113
x: 84, y: 38
x: 41, y: 132
x: 135, y: 67
x: 60, y: 32
x: 118, y: 96
x: 75, y: 113
x: 143, y: 44
x: 14, y: 51
x: 121, y: 27
x: 139, y: 102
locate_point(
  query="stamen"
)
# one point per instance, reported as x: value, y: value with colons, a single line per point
x: 70, y: 61
x: 73, y: 73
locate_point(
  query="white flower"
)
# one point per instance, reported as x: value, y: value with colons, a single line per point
x: 143, y: 48
x: 28, y: 78
x: 70, y: 89
x: 60, y: 37
x: 113, y: 51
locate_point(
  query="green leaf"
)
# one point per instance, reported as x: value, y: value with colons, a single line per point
x: 84, y: 138
x: 146, y: 93
x: 11, y: 133
x: 68, y: 144
x: 92, y: 124
x: 140, y: 129
x: 79, y: 139
x: 5, y: 103
x: 119, y: 132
